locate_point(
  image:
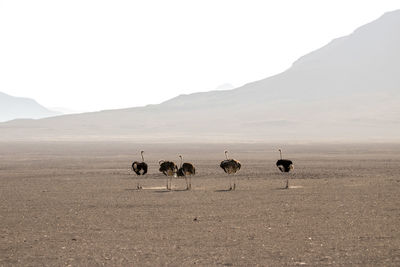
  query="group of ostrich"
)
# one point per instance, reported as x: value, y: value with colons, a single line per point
x: 187, y: 170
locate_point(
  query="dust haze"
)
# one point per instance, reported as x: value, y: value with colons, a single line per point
x: 347, y: 90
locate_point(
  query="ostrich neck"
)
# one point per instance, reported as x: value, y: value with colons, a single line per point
x: 142, y: 157
x: 280, y: 152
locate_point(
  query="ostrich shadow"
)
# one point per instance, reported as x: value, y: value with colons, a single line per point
x: 132, y: 189
x: 280, y: 188
x: 172, y: 190
x: 288, y: 188
x: 223, y: 190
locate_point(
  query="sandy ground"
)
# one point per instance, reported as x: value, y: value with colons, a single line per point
x: 77, y: 204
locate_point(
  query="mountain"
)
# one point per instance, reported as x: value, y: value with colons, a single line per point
x: 18, y: 107
x: 63, y: 110
x: 348, y: 90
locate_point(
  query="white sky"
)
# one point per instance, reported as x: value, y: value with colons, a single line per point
x: 92, y: 54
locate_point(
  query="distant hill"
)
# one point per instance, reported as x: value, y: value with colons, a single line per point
x: 18, y: 107
x: 348, y: 90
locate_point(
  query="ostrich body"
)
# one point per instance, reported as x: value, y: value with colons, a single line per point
x: 284, y: 165
x: 186, y: 170
x: 169, y: 169
x: 140, y: 168
x: 230, y: 166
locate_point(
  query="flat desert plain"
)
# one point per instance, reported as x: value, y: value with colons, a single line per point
x: 76, y: 204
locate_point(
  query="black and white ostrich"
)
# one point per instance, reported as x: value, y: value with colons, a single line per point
x: 186, y: 170
x: 285, y: 165
x: 140, y: 168
x: 169, y: 169
x: 230, y: 166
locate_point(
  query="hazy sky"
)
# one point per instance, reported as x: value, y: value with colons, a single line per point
x: 92, y: 54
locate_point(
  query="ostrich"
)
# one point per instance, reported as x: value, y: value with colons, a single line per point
x: 230, y: 166
x: 186, y: 169
x: 169, y: 169
x: 140, y: 168
x: 285, y: 165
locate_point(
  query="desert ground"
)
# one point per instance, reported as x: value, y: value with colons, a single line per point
x: 76, y: 204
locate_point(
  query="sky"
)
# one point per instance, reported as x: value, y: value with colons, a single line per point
x: 88, y: 55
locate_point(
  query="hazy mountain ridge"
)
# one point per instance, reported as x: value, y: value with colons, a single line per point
x: 20, y: 107
x: 333, y: 55
x: 348, y: 89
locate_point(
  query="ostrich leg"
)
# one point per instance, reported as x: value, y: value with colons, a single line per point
x: 190, y: 182
x: 235, y: 181
x: 187, y: 185
x: 287, y: 183
x: 170, y: 183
